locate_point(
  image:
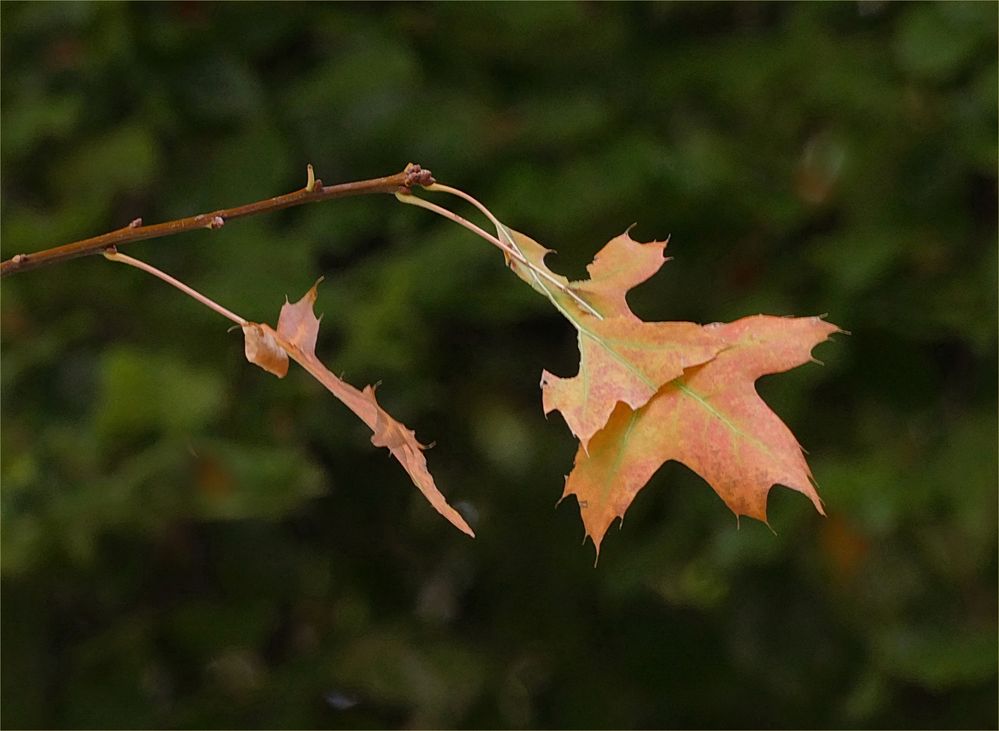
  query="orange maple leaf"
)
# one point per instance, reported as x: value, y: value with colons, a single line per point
x: 710, y: 419
x: 295, y: 337
x: 647, y: 393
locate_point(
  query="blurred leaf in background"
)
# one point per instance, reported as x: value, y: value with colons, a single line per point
x: 189, y: 542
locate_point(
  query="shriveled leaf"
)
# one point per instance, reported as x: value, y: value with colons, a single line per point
x: 296, y: 334
x: 263, y: 350
x: 298, y: 324
x: 622, y: 358
x: 402, y: 443
x: 710, y: 419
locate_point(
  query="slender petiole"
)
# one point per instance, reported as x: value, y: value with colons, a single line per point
x: 461, y: 221
x: 508, y: 245
x: 113, y: 255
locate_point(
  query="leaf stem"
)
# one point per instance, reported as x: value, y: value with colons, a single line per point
x: 413, y: 200
x: 112, y: 255
x: 438, y: 187
x: 313, y: 192
x: 508, y: 245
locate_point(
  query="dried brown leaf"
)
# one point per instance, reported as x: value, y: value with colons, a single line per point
x: 295, y: 337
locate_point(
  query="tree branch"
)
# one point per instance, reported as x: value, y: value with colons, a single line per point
x: 313, y: 192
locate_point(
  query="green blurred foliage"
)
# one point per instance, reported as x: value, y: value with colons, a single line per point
x: 189, y: 542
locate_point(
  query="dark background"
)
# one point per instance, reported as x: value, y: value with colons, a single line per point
x: 190, y: 542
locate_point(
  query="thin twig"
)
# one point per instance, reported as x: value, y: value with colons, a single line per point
x: 313, y: 192
x: 112, y: 255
